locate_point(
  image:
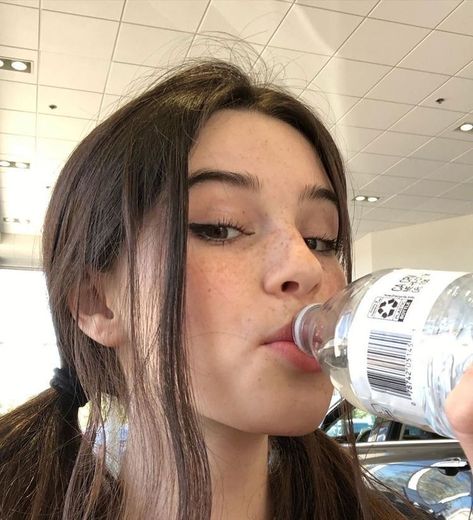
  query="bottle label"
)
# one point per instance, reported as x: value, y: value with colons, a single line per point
x: 386, y: 359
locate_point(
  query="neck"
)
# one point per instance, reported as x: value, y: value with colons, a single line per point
x: 239, y: 470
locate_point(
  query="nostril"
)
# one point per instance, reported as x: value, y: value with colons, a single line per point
x: 289, y: 286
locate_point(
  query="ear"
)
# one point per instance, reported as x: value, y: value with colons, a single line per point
x: 97, y: 317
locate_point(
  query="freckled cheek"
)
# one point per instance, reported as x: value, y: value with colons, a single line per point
x: 215, y: 288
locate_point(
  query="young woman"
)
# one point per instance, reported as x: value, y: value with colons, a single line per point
x: 182, y: 236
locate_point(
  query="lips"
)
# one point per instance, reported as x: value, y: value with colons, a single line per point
x: 282, y: 334
x: 281, y: 343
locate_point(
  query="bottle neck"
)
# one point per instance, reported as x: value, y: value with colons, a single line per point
x: 305, y: 328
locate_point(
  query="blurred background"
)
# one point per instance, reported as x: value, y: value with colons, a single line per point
x: 392, y: 79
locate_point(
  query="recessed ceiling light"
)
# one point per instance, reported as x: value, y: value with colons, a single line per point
x: 16, y: 65
x: 368, y: 198
x: 19, y: 65
x: 15, y: 220
x: 22, y: 165
x: 466, y: 127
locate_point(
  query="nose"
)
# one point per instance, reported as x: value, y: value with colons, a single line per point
x: 292, y: 268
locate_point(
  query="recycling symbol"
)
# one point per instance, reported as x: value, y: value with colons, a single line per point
x: 387, y: 308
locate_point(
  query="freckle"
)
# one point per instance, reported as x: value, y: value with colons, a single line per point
x: 209, y: 290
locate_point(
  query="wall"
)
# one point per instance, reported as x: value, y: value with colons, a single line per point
x: 442, y: 244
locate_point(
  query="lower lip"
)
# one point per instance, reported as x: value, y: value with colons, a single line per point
x: 291, y: 353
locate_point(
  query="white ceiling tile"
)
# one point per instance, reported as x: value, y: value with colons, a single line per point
x: 460, y: 192
x: 457, y: 95
x: 22, y: 54
x: 24, y: 198
x: 381, y: 42
x: 425, y: 121
x: 151, y: 46
x: 17, y: 147
x: 428, y: 188
x: 72, y: 103
x: 441, y: 149
x: 225, y: 47
x: 252, y: 21
x: 414, y: 168
x: 15, y: 179
x: 353, y: 78
x: 441, y: 52
x: 387, y: 185
x: 359, y: 180
x: 184, y: 15
x: 58, y: 149
x: 370, y: 113
x: 466, y: 158
x: 68, y: 128
x: 330, y: 107
x: 17, y: 96
x: 405, y: 202
x: 25, y: 3
x: 392, y: 215
x: 371, y: 163
x: 361, y: 7
x: 423, y: 13
x: 314, y: 30
x: 20, y: 26
x: 292, y: 68
x: 14, y: 122
x: 77, y: 35
x: 461, y: 20
x: 353, y: 138
x: 453, y: 172
x: 394, y: 143
x: 466, y: 72
x: 125, y: 79
x: 74, y: 72
x: 108, y: 9
x: 406, y: 86
x: 46, y: 169
x: 444, y: 205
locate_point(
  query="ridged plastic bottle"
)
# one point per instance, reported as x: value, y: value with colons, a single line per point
x: 395, y: 342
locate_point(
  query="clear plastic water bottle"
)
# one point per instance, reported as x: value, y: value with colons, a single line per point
x: 395, y: 342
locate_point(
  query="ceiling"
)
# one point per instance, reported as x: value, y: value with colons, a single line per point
x: 374, y: 71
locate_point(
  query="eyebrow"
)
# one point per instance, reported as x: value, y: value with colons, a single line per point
x: 239, y: 179
x: 251, y: 182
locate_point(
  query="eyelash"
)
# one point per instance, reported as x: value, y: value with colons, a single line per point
x: 199, y: 231
x: 331, y: 245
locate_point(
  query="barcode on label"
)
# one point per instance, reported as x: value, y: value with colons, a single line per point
x: 387, y: 362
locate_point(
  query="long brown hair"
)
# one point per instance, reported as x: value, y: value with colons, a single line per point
x: 134, y: 163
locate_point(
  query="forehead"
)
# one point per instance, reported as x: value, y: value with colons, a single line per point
x: 257, y: 143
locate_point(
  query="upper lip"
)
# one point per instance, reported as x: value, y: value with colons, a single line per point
x: 282, y: 334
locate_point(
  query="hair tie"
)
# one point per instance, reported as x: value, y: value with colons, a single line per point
x: 65, y: 382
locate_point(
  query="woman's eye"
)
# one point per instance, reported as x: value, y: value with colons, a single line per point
x: 216, y: 232
x: 322, y: 245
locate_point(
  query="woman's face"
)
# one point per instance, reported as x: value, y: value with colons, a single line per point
x: 262, y: 230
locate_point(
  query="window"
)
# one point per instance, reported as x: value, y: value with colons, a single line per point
x: 362, y: 423
x: 28, y: 352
